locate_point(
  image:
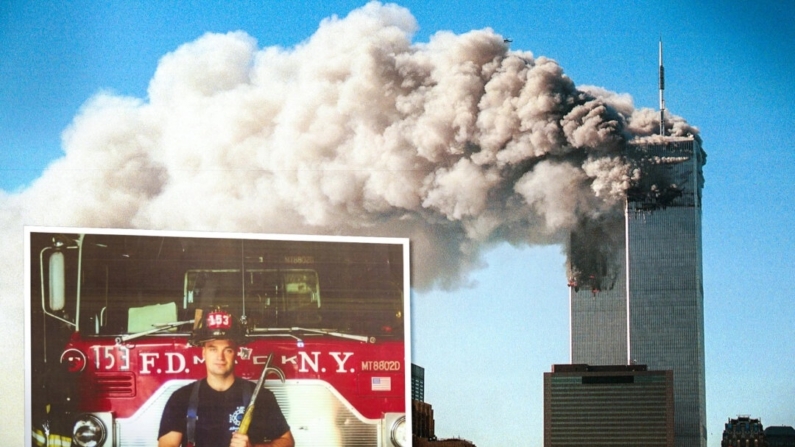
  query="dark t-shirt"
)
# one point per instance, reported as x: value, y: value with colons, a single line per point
x: 220, y: 412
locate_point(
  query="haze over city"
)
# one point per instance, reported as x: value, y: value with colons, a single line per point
x: 157, y: 117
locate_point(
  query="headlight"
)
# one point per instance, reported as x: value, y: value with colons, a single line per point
x: 89, y: 431
x: 398, y: 432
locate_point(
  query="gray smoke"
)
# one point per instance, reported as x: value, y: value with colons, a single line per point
x: 457, y: 143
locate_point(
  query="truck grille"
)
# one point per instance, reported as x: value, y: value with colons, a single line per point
x: 114, y: 384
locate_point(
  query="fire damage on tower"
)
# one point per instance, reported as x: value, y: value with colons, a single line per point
x: 666, y: 172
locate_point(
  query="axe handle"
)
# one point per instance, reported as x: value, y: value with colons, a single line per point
x: 243, y: 429
x: 244, y: 424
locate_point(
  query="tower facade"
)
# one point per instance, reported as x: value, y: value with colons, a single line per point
x: 646, y: 302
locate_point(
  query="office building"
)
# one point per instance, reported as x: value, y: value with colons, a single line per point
x: 417, y: 383
x: 780, y: 436
x: 423, y: 433
x: 743, y: 432
x: 422, y: 420
x: 422, y: 430
x: 636, y: 291
x: 617, y: 406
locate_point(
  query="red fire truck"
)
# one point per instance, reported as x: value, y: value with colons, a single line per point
x: 112, y: 314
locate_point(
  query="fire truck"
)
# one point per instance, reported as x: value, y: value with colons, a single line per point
x: 112, y: 314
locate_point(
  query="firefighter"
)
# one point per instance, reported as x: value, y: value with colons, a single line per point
x: 208, y: 412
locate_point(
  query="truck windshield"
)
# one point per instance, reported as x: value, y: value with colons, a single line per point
x: 138, y: 284
x: 267, y: 298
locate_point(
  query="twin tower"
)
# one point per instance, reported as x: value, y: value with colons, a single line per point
x: 651, y: 311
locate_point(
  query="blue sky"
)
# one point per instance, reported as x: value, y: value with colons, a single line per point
x: 485, y: 347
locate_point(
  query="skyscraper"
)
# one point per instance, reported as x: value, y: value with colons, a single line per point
x: 644, y: 299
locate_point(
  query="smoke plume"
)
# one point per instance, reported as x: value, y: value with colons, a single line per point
x: 457, y: 143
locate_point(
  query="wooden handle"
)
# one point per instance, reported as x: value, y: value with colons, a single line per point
x: 243, y: 429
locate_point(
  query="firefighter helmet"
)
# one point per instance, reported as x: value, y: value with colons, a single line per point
x: 217, y: 324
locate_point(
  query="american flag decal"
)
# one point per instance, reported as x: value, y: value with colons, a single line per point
x: 381, y: 384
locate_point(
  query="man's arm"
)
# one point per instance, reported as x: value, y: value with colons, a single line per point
x: 241, y: 440
x: 170, y: 439
x: 285, y: 440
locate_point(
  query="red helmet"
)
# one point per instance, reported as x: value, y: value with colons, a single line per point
x: 217, y: 324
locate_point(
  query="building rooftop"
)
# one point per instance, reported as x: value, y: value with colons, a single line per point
x: 582, y: 367
x: 780, y: 430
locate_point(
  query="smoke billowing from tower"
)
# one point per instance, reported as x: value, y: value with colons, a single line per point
x: 457, y: 143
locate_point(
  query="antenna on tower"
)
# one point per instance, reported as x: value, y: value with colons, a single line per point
x: 662, y: 90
